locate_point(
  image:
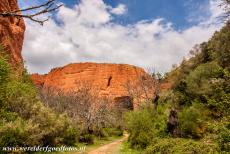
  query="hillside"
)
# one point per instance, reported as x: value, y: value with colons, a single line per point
x: 194, y: 115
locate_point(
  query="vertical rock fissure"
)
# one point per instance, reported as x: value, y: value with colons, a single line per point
x: 109, y: 81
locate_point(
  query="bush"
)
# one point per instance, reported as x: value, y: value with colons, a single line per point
x: 140, y: 126
x: 144, y: 125
x: 221, y: 133
x: 87, y: 138
x: 114, y: 131
x: 24, y: 120
x: 14, y: 133
x: 192, y: 121
x: 180, y: 146
x: 224, y: 138
x: 70, y: 136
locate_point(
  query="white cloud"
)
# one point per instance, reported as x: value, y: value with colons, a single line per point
x: 87, y: 33
x: 119, y: 10
x: 216, y: 10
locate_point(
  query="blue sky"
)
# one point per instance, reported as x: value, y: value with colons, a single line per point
x: 146, y: 33
x: 176, y: 11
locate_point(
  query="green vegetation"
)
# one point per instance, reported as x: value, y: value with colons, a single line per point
x: 125, y: 149
x: 24, y: 120
x: 191, y: 117
x: 180, y: 146
x: 144, y: 124
x: 194, y: 115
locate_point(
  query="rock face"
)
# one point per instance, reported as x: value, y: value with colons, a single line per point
x: 165, y: 86
x: 11, y: 31
x: 115, y: 81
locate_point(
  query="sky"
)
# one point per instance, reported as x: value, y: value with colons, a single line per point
x: 146, y: 33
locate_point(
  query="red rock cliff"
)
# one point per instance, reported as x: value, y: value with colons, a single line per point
x: 11, y: 31
x: 112, y: 80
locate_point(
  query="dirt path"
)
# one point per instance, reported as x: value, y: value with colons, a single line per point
x: 111, y: 148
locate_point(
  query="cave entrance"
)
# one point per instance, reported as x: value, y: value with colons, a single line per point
x: 124, y: 103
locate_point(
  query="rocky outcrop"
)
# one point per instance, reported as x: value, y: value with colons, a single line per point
x: 11, y: 31
x: 38, y: 79
x: 114, y: 81
x: 165, y: 85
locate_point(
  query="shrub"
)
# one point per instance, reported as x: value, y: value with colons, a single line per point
x: 24, y: 120
x: 70, y: 136
x: 224, y: 138
x: 114, y: 131
x: 4, y: 77
x: 87, y: 138
x: 199, y: 80
x: 13, y: 133
x: 140, y: 126
x: 145, y: 124
x: 180, y: 146
x: 192, y: 121
x: 221, y: 133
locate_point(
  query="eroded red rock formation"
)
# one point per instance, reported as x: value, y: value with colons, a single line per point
x: 11, y: 31
x: 111, y: 80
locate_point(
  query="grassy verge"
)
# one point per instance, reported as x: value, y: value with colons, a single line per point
x: 125, y: 149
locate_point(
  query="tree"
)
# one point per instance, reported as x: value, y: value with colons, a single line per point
x: 225, y: 4
x: 89, y: 111
x: 38, y: 10
x: 145, y: 89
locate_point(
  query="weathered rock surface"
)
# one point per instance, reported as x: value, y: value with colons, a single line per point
x: 11, y: 31
x: 166, y: 85
x: 114, y: 81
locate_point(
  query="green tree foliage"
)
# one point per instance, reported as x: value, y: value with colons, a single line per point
x: 24, y: 120
x: 193, y: 121
x: 145, y: 124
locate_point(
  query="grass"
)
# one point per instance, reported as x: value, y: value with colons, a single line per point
x: 125, y: 149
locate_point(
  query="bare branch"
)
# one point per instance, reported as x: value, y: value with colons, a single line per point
x: 47, y: 7
x: 225, y: 5
x: 50, y: 2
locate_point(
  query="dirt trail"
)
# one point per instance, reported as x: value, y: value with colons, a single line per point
x: 111, y: 148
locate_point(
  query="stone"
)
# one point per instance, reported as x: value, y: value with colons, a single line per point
x: 12, y: 32
x: 113, y: 81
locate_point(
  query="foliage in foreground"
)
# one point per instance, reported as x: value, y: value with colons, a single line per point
x: 24, y: 120
x: 143, y: 125
x: 180, y: 146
